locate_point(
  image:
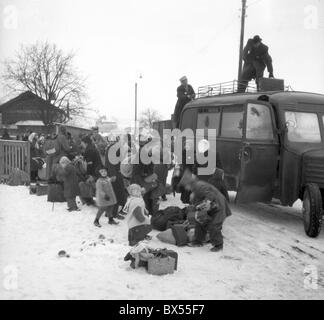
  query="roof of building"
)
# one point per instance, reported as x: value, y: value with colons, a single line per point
x: 29, y: 96
x: 34, y: 123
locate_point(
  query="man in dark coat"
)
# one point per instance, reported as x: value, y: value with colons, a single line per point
x: 91, y: 156
x: 185, y: 94
x: 256, y: 58
x: 211, y: 210
x: 118, y: 184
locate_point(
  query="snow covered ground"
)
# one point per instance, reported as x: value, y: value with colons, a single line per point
x: 265, y: 255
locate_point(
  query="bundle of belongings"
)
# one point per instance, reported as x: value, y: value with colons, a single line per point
x: 177, y: 227
x: 155, y: 261
x: 18, y: 178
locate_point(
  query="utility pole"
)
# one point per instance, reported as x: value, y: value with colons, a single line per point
x: 241, y: 40
x: 135, y: 128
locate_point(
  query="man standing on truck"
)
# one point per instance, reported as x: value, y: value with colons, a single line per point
x: 256, y: 58
x: 185, y: 94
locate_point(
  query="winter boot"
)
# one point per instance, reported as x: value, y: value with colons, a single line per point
x: 217, y: 248
x: 97, y: 224
x: 112, y: 221
x: 195, y: 244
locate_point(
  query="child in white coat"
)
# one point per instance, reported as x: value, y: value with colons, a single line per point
x: 139, y: 224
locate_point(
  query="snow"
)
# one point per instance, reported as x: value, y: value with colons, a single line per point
x: 265, y: 254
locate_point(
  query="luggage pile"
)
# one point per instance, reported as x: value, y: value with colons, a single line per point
x: 155, y: 261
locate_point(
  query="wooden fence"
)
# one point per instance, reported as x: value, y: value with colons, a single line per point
x: 14, y: 155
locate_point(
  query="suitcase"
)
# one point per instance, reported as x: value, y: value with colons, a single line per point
x: 161, y: 265
x: 41, y: 189
x: 173, y: 254
x: 271, y: 84
x: 180, y: 235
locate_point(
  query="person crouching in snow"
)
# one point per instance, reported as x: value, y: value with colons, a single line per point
x: 139, y: 223
x: 69, y: 176
x: 105, y: 197
x: 211, y: 211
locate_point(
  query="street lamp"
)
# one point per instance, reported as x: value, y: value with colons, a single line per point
x: 135, y: 128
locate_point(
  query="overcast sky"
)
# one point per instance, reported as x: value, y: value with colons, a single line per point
x: 116, y: 41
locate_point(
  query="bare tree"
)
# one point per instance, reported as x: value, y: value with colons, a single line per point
x: 147, y: 118
x: 46, y: 71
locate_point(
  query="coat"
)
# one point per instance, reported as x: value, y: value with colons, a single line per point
x: 182, y: 94
x: 118, y: 185
x: 70, y: 179
x: 140, y: 173
x: 92, y: 157
x: 260, y: 54
x: 201, y: 191
x: 104, y: 188
x: 62, y: 147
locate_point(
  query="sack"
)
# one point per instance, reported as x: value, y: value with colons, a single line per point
x: 160, y: 221
x: 180, y: 235
x: 161, y: 265
x: 18, y: 178
x: 167, y: 237
x: 126, y: 166
x: 55, y: 193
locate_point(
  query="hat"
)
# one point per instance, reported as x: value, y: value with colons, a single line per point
x: 257, y: 39
x: 135, y: 190
x: 95, y: 128
x: 183, y: 78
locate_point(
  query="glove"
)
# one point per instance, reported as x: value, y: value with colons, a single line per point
x: 107, y: 198
x: 271, y: 75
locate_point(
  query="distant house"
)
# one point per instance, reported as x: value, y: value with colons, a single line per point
x: 107, y: 126
x: 28, y: 112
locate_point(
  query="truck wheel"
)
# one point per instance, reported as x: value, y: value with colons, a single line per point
x: 312, y: 210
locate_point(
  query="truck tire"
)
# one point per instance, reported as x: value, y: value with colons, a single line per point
x: 312, y: 210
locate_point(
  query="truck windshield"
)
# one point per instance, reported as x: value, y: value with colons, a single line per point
x: 302, y: 127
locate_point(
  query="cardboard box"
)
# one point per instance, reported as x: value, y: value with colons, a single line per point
x: 271, y: 84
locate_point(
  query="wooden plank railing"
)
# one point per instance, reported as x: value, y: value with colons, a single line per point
x: 14, y: 155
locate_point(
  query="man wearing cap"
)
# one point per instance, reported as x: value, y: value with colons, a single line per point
x: 256, y: 58
x: 185, y: 94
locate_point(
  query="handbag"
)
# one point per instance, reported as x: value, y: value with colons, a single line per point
x: 161, y: 265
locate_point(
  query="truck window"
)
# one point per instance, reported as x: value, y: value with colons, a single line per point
x: 259, y: 122
x: 232, y: 122
x: 302, y: 127
x: 208, y: 120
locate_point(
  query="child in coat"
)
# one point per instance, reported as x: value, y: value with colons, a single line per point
x: 105, y: 197
x: 139, y: 224
x: 69, y: 175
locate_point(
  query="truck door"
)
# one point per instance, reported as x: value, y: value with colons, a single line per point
x: 259, y: 153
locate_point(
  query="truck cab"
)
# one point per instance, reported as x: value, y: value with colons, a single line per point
x: 271, y: 145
